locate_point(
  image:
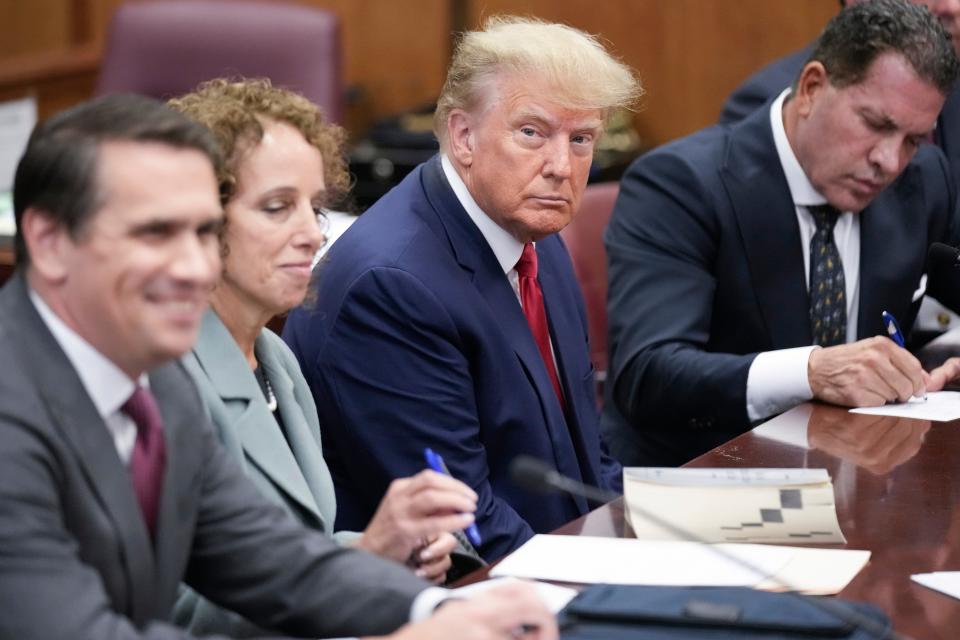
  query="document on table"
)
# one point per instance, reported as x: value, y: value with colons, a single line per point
x: 779, y: 506
x: 553, y: 596
x: 589, y: 560
x: 947, y: 582
x: 940, y: 406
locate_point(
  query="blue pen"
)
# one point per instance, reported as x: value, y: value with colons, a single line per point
x: 435, y: 462
x: 893, y: 331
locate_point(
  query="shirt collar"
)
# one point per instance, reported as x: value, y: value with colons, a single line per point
x: 106, y: 384
x: 801, y: 190
x: 506, y: 248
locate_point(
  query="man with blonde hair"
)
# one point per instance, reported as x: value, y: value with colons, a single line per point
x: 448, y: 316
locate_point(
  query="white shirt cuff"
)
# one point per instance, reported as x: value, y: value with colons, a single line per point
x: 426, y: 601
x: 777, y: 381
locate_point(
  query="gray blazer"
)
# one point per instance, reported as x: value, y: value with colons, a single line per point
x: 77, y: 560
x: 292, y: 474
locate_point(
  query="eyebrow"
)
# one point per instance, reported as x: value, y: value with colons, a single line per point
x: 541, y: 118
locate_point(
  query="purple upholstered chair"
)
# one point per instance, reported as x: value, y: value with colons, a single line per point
x: 584, y: 240
x: 165, y: 48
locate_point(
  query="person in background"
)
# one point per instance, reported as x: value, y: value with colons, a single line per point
x: 448, y: 316
x: 115, y: 488
x: 750, y: 264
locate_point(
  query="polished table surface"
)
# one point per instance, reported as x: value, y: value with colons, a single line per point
x: 897, y: 486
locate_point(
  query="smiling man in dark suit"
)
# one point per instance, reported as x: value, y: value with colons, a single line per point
x: 448, y: 316
x: 736, y: 253
x: 114, y: 487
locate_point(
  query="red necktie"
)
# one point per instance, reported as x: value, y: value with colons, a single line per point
x: 149, y: 453
x: 531, y: 299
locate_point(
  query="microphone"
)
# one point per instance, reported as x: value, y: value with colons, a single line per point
x: 537, y: 476
x: 943, y: 254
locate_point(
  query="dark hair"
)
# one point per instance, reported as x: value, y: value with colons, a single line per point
x: 860, y: 33
x: 57, y: 173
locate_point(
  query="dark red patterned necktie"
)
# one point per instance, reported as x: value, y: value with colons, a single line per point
x: 149, y: 453
x: 531, y: 299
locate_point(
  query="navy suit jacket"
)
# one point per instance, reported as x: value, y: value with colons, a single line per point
x: 706, y: 270
x: 418, y: 340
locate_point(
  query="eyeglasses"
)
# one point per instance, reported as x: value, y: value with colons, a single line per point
x: 323, y: 222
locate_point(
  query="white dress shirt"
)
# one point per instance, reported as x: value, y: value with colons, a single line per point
x: 104, y: 382
x: 777, y: 380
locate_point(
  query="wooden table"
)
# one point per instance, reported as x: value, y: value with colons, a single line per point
x: 897, y: 485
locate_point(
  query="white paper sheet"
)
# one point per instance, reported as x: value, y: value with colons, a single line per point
x: 17, y: 118
x: 553, y: 595
x: 947, y: 582
x: 590, y: 560
x: 940, y: 406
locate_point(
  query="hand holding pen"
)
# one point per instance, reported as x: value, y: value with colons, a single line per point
x: 867, y: 373
x: 414, y: 520
x: 893, y: 331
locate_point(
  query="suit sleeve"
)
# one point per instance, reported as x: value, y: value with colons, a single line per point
x: 46, y: 591
x: 944, y: 279
x: 389, y: 321
x: 250, y: 556
x: 661, y: 246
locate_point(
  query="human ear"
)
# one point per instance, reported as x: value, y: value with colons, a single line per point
x: 460, y: 136
x: 811, y: 83
x: 46, y: 243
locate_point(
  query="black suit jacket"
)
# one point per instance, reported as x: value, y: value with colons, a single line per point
x: 706, y: 270
x: 76, y: 560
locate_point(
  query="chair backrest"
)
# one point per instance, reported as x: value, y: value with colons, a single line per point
x: 584, y: 240
x: 165, y: 48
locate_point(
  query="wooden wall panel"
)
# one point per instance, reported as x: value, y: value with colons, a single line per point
x: 690, y: 53
x: 34, y: 26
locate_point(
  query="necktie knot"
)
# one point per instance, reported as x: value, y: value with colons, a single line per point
x: 142, y: 408
x: 825, y: 216
x: 527, y: 264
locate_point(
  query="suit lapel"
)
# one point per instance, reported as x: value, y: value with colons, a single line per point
x: 770, y: 233
x: 76, y: 417
x: 885, y: 280
x: 251, y: 421
x: 474, y: 255
x: 303, y: 438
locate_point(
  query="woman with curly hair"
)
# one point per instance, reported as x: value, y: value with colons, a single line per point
x: 284, y: 164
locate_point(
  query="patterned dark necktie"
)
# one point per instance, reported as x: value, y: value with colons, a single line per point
x: 149, y: 453
x: 828, y: 297
x: 531, y: 299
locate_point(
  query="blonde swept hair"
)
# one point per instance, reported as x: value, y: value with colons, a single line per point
x: 235, y: 111
x: 574, y: 65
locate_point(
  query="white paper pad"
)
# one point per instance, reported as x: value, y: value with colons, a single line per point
x: 725, y: 477
x: 947, y: 582
x: 941, y: 406
x: 553, y: 595
x: 7, y: 225
x: 771, y: 506
x: 589, y: 560
x: 17, y: 118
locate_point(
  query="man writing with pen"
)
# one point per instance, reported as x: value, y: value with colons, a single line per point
x: 750, y: 265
